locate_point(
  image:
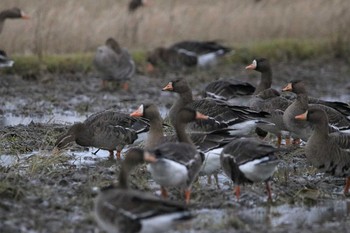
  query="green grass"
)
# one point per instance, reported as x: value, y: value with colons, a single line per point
x: 281, y: 50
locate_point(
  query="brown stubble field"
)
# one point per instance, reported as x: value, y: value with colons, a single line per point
x: 66, y: 26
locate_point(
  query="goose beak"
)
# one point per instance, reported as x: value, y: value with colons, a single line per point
x: 302, y: 116
x: 251, y: 67
x: 138, y: 112
x: 150, y: 158
x: 168, y: 87
x: 288, y: 87
x: 24, y: 15
x: 200, y: 116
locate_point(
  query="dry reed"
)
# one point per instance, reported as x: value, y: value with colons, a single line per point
x: 67, y: 26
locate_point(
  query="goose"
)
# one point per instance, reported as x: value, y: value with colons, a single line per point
x: 186, y: 54
x: 5, y: 61
x: 303, y: 129
x: 178, y: 163
x: 249, y: 160
x: 210, y: 143
x: 328, y: 152
x: 108, y: 130
x: 120, y: 209
x: 13, y: 13
x: 114, y: 63
x: 240, y: 119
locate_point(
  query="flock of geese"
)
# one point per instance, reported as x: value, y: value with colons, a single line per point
x: 210, y: 135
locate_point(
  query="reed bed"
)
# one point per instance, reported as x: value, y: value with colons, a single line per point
x: 66, y: 26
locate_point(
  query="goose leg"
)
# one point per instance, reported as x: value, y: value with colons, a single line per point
x: 268, y: 189
x: 111, y: 154
x: 217, y: 180
x: 209, y: 179
x: 118, y: 154
x: 279, y: 141
x: 237, y: 191
x: 347, y: 186
x: 187, y: 195
x: 163, y: 192
x: 125, y: 86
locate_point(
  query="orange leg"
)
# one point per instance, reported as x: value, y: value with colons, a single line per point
x: 288, y: 141
x: 347, y: 186
x: 268, y: 189
x: 279, y: 141
x: 125, y: 86
x: 187, y: 196
x: 111, y: 154
x: 118, y: 154
x: 237, y: 190
x: 164, y: 192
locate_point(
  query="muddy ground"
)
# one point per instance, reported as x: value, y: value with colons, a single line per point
x: 45, y: 192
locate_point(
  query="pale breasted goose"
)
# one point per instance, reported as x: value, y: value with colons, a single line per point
x: 120, y: 209
x: 329, y: 152
x: 108, y: 130
x: 114, y: 63
x: 249, y: 160
x: 178, y: 163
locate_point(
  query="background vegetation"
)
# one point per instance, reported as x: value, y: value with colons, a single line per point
x: 275, y: 28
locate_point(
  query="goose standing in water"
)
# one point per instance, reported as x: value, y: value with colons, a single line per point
x: 120, y: 209
x: 328, y: 152
x: 108, y: 130
x: 114, y: 63
x: 249, y: 160
x: 178, y: 163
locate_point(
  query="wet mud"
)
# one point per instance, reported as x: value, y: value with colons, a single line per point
x: 45, y: 191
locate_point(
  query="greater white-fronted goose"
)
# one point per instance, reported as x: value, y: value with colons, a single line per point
x: 268, y: 99
x: 186, y: 54
x: 13, y: 13
x: 210, y: 143
x: 120, y: 209
x: 303, y: 129
x: 114, y: 63
x: 5, y: 61
x: 249, y: 160
x: 231, y: 90
x: 178, y: 164
x: 108, y: 130
x: 240, y: 119
x: 329, y: 152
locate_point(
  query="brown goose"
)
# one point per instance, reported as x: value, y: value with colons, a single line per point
x: 302, y: 129
x: 249, y: 160
x: 187, y: 54
x: 178, y: 164
x: 108, y: 130
x: 329, y: 152
x: 114, y: 63
x: 269, y: 100
x: 209, y: 143
x: 120, y: 209
x: 240, y: 119
x: 13, y: 13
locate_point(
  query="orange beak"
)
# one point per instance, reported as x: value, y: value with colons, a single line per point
x: 24, y: 15
x: 251, y: 67
x: 168, y: 87
x: 138, y: 112
x: 150, y: 158
x: 302, y: 116
x: 200, y: 116
x: 150, y: 68
x: 288, y: 87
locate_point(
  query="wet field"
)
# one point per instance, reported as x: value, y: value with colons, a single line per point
x: 42, y: 191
